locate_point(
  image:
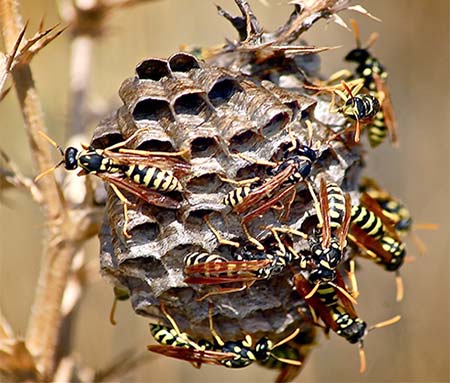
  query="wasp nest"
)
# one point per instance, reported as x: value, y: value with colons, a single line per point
x: 231, y: 116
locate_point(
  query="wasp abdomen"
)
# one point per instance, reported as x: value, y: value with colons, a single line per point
x: 154, y: 178
x: 367, y: 221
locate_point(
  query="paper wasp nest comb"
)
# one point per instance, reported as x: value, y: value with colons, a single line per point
x: 229, y: 125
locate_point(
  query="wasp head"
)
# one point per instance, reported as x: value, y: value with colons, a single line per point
x: 358, y: 55
x: 70, y: 158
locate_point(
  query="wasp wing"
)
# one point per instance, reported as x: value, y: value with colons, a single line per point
x: 387, y: 108
x: 179, y: 167
x: 145, y: 194
x: 192, y: 355
x: 264, y: 190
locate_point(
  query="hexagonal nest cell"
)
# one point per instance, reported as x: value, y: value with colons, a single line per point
x: 232, y: 119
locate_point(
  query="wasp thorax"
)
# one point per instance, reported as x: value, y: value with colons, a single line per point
x: 92, y: 162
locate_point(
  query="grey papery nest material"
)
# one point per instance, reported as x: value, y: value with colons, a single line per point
x: 213, y: 112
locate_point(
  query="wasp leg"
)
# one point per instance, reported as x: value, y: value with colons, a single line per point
x: 226, y: 290
x: 255, y: 161
x: 352, y: 279
x: 252, y: 239
x: 218, y: 236
x: 125, y: 204
x: 238, y: 183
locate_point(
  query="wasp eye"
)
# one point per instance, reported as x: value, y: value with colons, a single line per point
x: 70, y: 158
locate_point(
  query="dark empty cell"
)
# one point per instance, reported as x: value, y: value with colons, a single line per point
x: 183, y: 62
x: 106, y: 141
x: 247, y: 139
x: 153, y: 267
x: 156, y: 146
x: 149, y: 229
x: 152, y: 109
x: 293, y: 105
x: 152, y: 69
x: 192, y: 103
x: 203, y: 146
x: 222, y: 91
x: 203, y: 184
x: 251, y: 171
x: 275, y: 124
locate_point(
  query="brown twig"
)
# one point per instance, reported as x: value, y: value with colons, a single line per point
x: 59, y: 248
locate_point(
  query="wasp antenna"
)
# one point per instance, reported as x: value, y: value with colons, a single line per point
x: 355, y: 28
x: 426, y: 226
x: 385, y: 323
x: 287, y: 361
x: 53, y: 168
x: 372, y: 38
x: 112, y: 313
x: 51, y: 142
x: 362, y: 359
x: 287, y: 339
x: 313, y: 291
x: 400, y: 289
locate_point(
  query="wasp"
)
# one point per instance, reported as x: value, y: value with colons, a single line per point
x: 377, y: 238
x: 150, y: 176
x: 231, y: 354
x: 375, y: 76
x: 338, y: 313
x: 334, y: 213
x: 361, y: 107
x: 297, y: 349
x: 392, y: 208
x: 212, y: 269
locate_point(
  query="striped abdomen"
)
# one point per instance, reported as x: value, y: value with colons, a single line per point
x: 377, y: 131
x: 236, y: 196
x: 367, y: 221
x: 169, y: 337
x: 154, y: 178
x: 336, y: 205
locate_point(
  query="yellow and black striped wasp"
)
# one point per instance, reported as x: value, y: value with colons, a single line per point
x: 337, y: 312
x: 231, y: 354
x: 374, y: 75
x: 334, y: 214
x: 357, y: 106
x: 248, y: 265
x: 254, y: 197
x: 151, y: 176
x: 377, y: 238
x: 298, y: 348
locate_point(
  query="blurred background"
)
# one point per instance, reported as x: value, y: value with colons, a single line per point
x: 414, y: 47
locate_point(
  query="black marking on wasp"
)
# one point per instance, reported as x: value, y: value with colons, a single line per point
x: 361, y: 107
x: 231, y: 354
x: 327, y: 248
x: 385, y: 248
x: 338, y: 313
x: 392, y: 208
x: 297, y: 349
x: 374, y: 74
x: 149, y: 176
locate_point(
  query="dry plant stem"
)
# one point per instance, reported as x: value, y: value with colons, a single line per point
x: 80, y: 70
x: 44, y: 322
